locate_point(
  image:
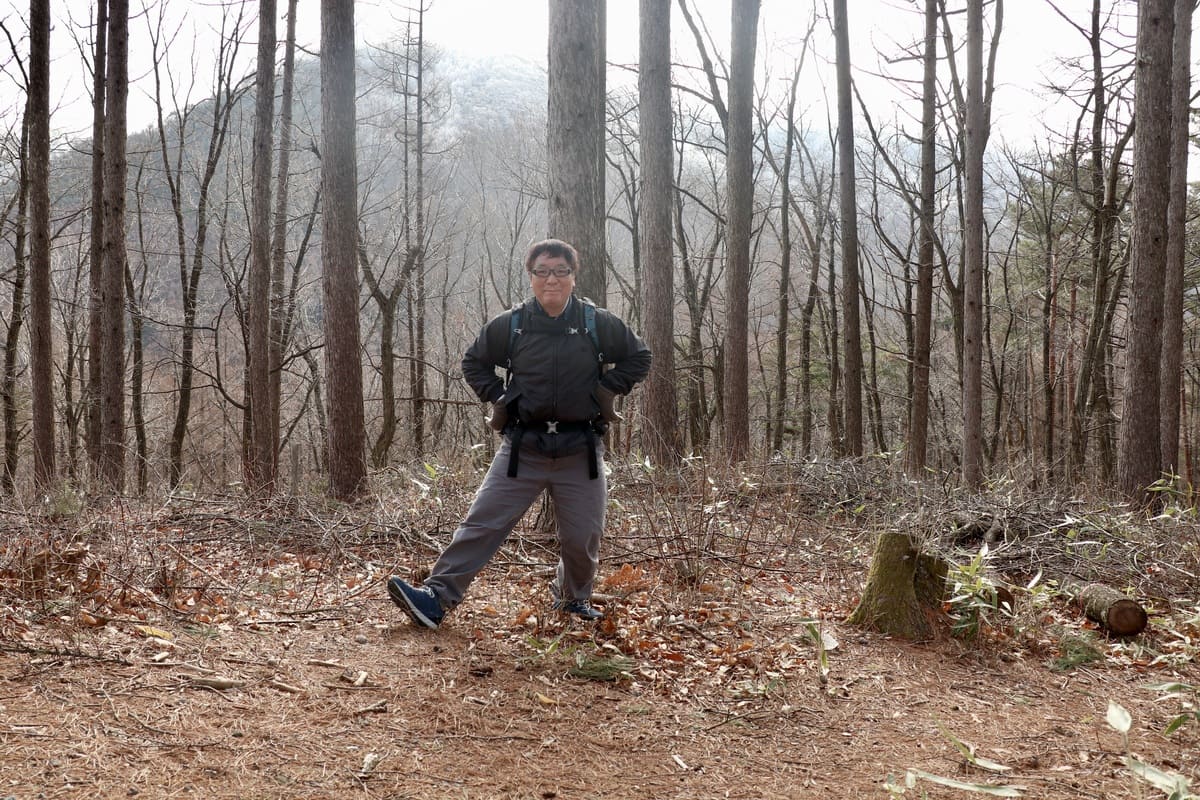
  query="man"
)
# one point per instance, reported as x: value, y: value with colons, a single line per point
x: 552, y: 410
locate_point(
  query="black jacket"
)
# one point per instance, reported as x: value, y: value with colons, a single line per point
x: 554, y: 369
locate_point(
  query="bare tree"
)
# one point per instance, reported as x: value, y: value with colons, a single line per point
x: 41, y: 353
x: 575, y: 136
x: 262, y: 470
x: 96, y: 242
x: 918, y: 411
x: 135, y: 296
x: 740, y: 192
x: 1105, y: 198
x: 12, y: 339
x: 175, y: 172
x: 661, y: 430
x: 1172, y: 346
x: 972, y: 447
x: 1139, y: 460
x: 112, y: 279
x: 279, y: 307
x: 339, y: 229
x: 852, y: 443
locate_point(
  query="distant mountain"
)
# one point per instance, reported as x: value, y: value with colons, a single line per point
x: 491, y: 91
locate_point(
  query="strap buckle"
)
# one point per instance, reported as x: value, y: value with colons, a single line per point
x: 551, y: 426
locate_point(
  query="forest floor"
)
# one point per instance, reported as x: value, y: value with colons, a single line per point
x: 201, y: 649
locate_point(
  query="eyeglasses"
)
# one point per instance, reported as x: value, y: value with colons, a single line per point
x: 558, y: 272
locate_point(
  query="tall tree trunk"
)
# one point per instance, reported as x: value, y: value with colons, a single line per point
x: 1139, y: 460
x: 339, y: 180
x: 918, y: 416
x: 1049, y: 367
x: 96, y: 241
x: 279, y: 238
x: 137, y: 367
x: 41, y: 355
x: 12, y: 340
x: 575, y: 136
x: 852, y: 441
x: 112, y: 286
x: 785, y: 271
x: 806, y: 323
x: 972, y: 391
x: 661, y: 424
x: 740, y: 192
x: 261, y: 472
x: 417, y: 248
x: 1172, y: 346
x: 834, y: 409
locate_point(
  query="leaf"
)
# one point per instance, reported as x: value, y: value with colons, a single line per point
x: 370, y: 762
x: 91, y: 621
x: 1173, y: 687
x: 1171, y: 782
x: 1176, y: 724
x: 968, y: 751
x: 151, y: 631
x: 1118, y: 718
x: 979, y: 788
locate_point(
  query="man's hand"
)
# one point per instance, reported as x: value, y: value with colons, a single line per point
x: 606, y: 398
x: 499, y: 416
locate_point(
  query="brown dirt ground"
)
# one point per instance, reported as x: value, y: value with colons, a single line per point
x: 104, y: 694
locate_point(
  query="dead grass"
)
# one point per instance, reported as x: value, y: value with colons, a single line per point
x: 703, y: 681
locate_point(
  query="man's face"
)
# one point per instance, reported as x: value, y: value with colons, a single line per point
x: 552, y: 280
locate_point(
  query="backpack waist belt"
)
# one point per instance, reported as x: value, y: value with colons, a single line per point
x: 553, y: 426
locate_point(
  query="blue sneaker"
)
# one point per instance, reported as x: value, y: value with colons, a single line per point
x: 580, y: 608
x: 420, y: 603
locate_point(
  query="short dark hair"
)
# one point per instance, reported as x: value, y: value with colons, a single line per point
x: 555, y: 248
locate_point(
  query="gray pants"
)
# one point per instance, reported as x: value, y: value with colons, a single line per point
x: 579, y: 505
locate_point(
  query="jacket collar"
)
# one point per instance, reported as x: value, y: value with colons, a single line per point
x: 569, y: 308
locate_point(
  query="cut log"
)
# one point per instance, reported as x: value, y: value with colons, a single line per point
x: 1109, y: 608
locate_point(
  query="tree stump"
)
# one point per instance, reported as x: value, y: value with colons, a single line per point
x: 1109, y: 608
x: 890, y: 602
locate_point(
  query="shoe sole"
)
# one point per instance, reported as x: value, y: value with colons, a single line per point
x: 400, y: 598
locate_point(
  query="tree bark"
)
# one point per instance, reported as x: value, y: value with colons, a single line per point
x: 972, y: 391
x: 1139, y: 461
x: 660, y: 426
x: 262, y: 470
x: 889, y: 602
x: 918, y: 415
x: 852, y: 393
x: 1109, y: 608
x: 740, y: 193
x: 12, y: 340
x: 96, y: 241
x: 575, y: 137
x: 41, y: 348
x: 278, y: 345
x: 339, y: 181
x: 112, y: 285
x: 1172, y: 345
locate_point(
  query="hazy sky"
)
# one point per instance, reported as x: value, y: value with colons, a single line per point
x: 1033, y: 37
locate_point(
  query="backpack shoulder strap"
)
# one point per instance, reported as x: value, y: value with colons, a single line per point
x: 589, y: 325
x: 516, y: 317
